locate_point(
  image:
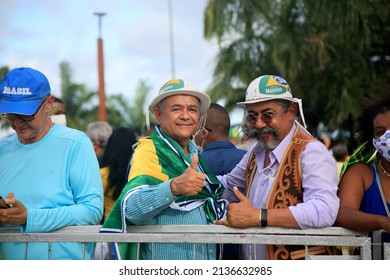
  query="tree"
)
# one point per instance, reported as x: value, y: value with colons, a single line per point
x: 79, y: 103
x: 122, y: 112
x: 3, y: 71
x: 332, y: 53
x: 82, y: 105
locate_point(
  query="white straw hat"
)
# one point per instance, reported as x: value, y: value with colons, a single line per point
x: 179, y: 86
x: 270, y: 87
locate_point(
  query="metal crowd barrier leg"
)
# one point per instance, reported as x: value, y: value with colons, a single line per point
x: 386, y: 251
x: 49, y: 251
x: 377, y: 245
x: 25, y: 250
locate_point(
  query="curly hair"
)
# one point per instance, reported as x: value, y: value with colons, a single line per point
x: 370, y: 110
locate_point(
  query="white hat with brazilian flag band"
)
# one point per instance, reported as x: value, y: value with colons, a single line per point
x: 182, y: 87
x: 270, y: 87
x: 179, y: 86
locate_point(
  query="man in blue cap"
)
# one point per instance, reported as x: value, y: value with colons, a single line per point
x: 49, y: 173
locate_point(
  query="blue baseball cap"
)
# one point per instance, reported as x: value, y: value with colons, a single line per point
x: 22, y: 90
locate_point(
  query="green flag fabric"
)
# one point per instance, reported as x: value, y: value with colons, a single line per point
x: 365, y: 153
x: 161, y: 159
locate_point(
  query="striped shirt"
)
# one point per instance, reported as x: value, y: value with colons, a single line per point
x: 150, y: 205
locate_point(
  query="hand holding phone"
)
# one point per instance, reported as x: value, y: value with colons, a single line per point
x: 3, y: 205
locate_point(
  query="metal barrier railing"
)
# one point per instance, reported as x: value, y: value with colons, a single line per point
x: 331, y: 236
x: 386, y: 251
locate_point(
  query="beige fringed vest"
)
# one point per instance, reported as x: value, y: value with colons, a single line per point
x: 286, y: 191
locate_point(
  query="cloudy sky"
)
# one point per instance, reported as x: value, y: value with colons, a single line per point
x: 136, y: 39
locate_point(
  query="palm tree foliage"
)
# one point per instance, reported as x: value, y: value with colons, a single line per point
x: 333, y: 53
x: 122, y: 112
x: 3, y: 71
x: 82, y: 105
x: 77, y: 100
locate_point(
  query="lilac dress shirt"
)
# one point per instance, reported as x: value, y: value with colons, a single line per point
x: 319, y: 179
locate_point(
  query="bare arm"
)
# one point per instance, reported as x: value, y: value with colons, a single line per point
x: 351, y: 192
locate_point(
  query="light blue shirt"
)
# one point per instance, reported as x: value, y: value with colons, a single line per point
x: 319, y: 180
x: 58, y: 181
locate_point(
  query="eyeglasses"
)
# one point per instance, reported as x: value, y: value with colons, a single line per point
x: 12, y: 117
x: 266, y: 117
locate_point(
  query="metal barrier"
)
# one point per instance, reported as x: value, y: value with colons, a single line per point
x: 332, y: 236
x: 386, y: 251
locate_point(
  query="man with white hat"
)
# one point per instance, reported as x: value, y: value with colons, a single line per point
x: 288, y: 179
x: 168, y: 182
x: 49, y: 173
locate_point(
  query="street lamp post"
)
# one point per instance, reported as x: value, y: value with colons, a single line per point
x: 171, y: 40
x: 102, y: 99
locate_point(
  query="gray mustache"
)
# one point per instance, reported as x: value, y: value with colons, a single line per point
x: 257, y: 131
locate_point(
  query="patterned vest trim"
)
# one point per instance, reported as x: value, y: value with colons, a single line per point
x: 286, y: 191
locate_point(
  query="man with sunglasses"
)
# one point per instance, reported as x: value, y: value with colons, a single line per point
x: 49, y: 173
x: 288, y: 179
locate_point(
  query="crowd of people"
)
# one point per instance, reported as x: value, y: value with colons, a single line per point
x: 185, y: 170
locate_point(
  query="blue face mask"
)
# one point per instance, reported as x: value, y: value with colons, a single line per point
x: 382, y: 145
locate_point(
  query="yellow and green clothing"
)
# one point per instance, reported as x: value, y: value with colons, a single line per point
x: 147, y: 199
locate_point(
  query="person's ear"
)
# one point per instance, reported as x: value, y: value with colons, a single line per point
x: 96, y: 145
x: 49, y: 103
x: 292, y: 111
x: 157, y: 114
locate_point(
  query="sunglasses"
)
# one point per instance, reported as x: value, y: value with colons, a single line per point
x: 266, y: 117
x: 13, y: 117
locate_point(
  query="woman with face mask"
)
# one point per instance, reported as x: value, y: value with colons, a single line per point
x: 364, y: 187
x: 57, y: 114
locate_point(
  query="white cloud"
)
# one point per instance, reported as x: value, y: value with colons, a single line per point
x: 43, y: 33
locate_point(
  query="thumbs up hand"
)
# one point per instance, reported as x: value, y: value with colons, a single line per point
x: 241, y: 214
x: 190, y: 182
x: 194, y: 163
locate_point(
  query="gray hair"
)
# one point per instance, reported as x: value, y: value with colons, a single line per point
x: 99, y: 131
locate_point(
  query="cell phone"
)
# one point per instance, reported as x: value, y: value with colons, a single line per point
x: 3, y: 205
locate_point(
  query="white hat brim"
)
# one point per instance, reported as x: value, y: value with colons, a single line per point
x: 263, y: 99
x: 203, y: 98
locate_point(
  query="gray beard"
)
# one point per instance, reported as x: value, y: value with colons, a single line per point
x: 270, y: 146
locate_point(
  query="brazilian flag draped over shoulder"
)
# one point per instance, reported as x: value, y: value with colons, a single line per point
x: 157, y: 159
x: 365, y: 153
